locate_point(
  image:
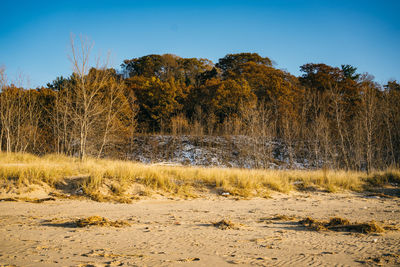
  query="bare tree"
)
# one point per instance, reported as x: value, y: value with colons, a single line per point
x: 86, y: 87
x: 19, y: 118
x: 101, y: 109
x: 30, y: 127
x: 119, y: 112
x: 3, y: 82
x: 10, y: 104
x: 179, y: 125
x: 62, y: 120
x: 368, y: 117
x: 339, y: 121
x: 132, y: 118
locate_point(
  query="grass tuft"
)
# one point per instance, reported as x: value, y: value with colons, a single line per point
x: 384, y: 178
x: 99, y: 221
x: 342, y: 225
x: 225, y: 224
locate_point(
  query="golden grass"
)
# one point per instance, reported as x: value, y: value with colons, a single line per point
x: 340, y: 224
x: 390, y: 176
x: 26, y: 169
x: 99, y: 221
x: 337, y: 224
x: 225, y: 224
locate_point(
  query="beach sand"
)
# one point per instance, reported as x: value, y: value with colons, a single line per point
x: 175, y: 232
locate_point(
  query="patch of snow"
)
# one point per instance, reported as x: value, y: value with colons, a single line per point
x: 219, y: 151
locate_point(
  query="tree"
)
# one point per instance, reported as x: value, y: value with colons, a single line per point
x: 3, y: 82
x: 233, y: 62
x: 61, y: 115
x: 167, y: 66
x: 273, y: 87
x: 96, y: 98
x: 58, y: 84
x: 157, y: 100
x: 146, y: 66
x: 391, y: 116
x: 320, y: 77
x: 369, y: 121
x: 392, y: 86
x: 163, y: 67
x: 349, y: 72
x: 19, y: 118
x: 224, y: 98
x: 119, y: 114
x: 193, y: 68
x: 85, y: 91
x: 10, y: 105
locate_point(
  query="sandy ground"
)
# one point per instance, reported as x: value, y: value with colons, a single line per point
x: 171, y: 232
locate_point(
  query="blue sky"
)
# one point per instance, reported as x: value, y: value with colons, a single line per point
x: 34, y: 35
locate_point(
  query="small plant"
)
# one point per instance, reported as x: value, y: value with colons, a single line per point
x: 340, y: 224
x: 225, y: 224
x: 99, y: 221
x: 384, y: 178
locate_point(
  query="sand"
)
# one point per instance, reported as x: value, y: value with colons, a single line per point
x: 175, y: 232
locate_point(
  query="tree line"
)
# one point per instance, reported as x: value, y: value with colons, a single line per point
x: 331, y: 116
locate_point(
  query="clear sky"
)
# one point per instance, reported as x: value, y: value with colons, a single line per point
x: 34, y: 35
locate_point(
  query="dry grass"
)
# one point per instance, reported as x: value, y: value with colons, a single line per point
x: 99, y: 221
x: 100, y: 178
x: 225, y: 224
x: 25, y: 199
x: 335, y: 224
x: 391, y: 176
x: 389, y: 259
x: 343, y: 225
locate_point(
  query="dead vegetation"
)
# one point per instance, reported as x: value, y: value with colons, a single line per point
x: 99, y: 197
x: 391, y: 177
x: 337, y: 224
x: 102, y: 253
x: 25, y: 199
x: 391, y: 259
x: 225, y: 225
x: 189, y: 259
x: 342, y: 225
x: 99, y: 221
x: 85, y: 222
